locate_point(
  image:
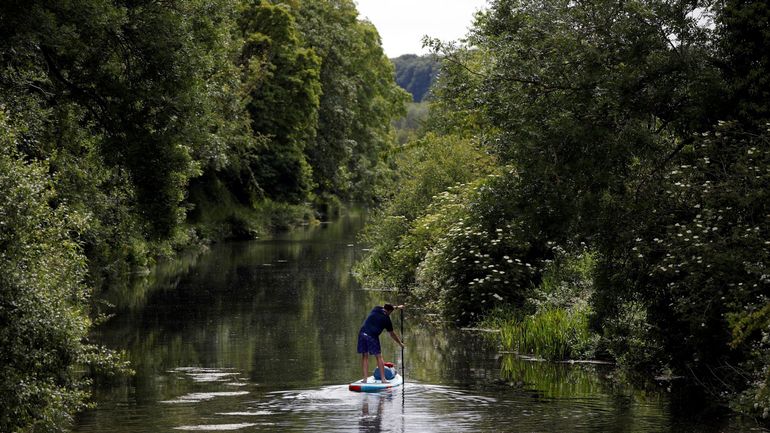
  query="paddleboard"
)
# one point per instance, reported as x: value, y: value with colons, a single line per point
x: 372, y: 385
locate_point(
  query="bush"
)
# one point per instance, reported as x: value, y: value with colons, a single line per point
x: 427, y: 168
x: 486, y: 257
x: 43, y: 299
x: 686, y: 286
x: 554, y: 334
x: 555, y: 324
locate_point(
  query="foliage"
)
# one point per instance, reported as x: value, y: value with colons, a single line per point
x: 636, y: 129
x: 220, y: 215
x: 359, y: 100
x: 699, y: 263
x: 554, y: 334
x: 567, y: 280
x: 402, y: 231
x: 43, y: 298
x: 594, y: 103
x: 450, y: 113
x: 555, y: 322
x: 159, y: 125
x: 125, y: 119
x: 416, y: 74
x: 487, y: 256
x: 411, y: 126
x: 111, y: 108
x: 156, y: 96
x: 743, y: 40
x: 281, y: 71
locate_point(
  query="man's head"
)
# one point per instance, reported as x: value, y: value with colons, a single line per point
x: 388, y: 308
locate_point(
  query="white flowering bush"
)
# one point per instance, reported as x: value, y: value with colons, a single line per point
x: 486, y: 257
x: 699, y: 264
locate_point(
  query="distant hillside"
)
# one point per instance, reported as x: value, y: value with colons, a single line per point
x: 416, y: 73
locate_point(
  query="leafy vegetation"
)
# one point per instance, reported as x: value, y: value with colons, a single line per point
x: 42, y: 308
x: 405, y: 229
x: 359, y: 101
x: 416, y: 74
x: 411, y: 126
x: 634, y: 133
x: 554, y: 324
x: 131, y: 130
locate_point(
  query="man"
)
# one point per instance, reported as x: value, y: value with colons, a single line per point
x: 369, y: 338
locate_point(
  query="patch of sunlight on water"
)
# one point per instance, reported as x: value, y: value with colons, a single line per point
x: 196, y: 397
x: 257, y: 413
x: 200, y: 374
x: 216, y: 427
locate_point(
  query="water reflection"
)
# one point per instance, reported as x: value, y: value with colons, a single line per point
x: 371, y: 421
x: 260, y: 336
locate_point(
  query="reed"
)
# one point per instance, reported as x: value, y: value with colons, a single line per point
x: 553, y: 334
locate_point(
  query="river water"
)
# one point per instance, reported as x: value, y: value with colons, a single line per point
x: 261, y: 336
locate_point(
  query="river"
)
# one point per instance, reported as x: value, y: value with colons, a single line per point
x: 261, y: 336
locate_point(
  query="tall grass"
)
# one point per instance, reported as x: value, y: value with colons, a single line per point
x: 553, y: 334
x: 554, y: 325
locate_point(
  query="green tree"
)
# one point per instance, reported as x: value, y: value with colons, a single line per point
x: 612, y: 115
x: 405, y: 228
x: 359, y: 100
x: 284, y: 89
x: 743, y: 38
x: 150, y: 77
x: 416, y: 74
x: 43, y: 299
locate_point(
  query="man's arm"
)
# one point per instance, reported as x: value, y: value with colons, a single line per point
x: 394, y: 336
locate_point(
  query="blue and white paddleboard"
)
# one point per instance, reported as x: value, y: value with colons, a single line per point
x: 372, y: 385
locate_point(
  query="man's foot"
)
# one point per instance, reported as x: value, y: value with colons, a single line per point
x: 363, y: 380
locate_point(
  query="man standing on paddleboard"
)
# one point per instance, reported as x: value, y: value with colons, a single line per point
x: 369, y: 337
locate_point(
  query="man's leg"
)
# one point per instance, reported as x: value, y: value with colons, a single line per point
x: 365, y: 365
x: 381, y: 365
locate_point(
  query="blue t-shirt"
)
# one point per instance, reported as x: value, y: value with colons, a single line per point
x: 376, y: 322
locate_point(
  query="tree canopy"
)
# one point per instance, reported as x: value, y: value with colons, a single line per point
x: 632, y: 132
x: 142, y: 127
x: 416, y: 74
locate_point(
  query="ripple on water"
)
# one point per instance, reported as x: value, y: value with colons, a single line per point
x: 197, y: 397
x: 204, y: 375
x: 425, y: 408
x: 216, y: 427
x: 256, y: 413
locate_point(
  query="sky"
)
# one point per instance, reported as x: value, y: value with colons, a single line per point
x: 403, y: 23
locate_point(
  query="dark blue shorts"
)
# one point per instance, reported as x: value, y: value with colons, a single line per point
x: 368, y: 344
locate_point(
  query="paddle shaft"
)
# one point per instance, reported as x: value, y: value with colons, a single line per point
x: 403, y: 362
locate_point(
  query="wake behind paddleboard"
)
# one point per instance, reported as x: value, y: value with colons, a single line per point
x: 372, y: 385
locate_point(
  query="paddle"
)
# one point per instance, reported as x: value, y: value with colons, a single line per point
x: 403, y: 362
